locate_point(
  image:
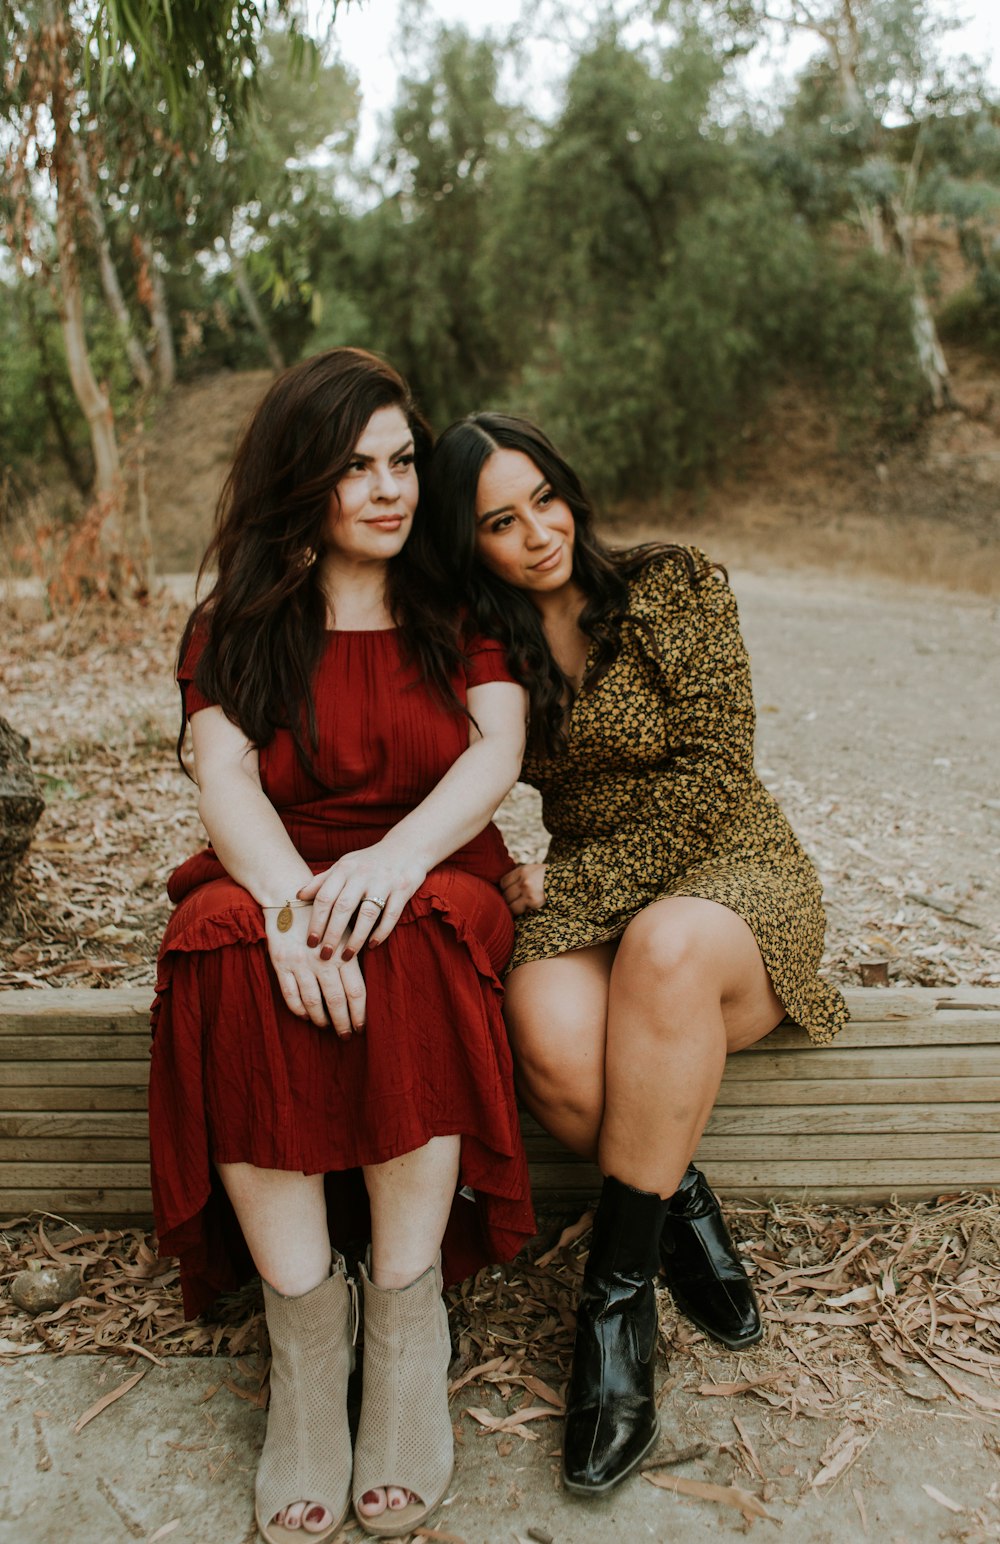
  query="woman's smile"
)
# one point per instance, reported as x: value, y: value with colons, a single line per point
x: 525, y: 532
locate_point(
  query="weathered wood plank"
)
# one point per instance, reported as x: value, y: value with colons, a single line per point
x: 75, y: 1176
x: 919, y: 1061
x: 83, y: 1007
x: 60, y: 1123
x: 876, y: 1148
x: 932, y: 1028
x: 82, y: 1048
x: 117, y: 1149
x: 849, y: 1119
x: 776, y: 1092
x: 100, y: 1097
x: 88, y: 1009
x: 797, y: 1177
x: 103, y: 1204
x: 79, y: 1075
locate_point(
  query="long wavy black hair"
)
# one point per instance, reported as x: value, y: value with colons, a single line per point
x: 264, y: 619
x: 446, y: 546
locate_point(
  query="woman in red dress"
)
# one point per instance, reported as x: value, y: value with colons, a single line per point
x: 328, y: 998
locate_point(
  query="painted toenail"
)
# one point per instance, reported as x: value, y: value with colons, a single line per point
x: 370, y: 1497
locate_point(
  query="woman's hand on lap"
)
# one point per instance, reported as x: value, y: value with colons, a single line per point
x: 330, y: 993
x: 524, y: 888
x: 348, y: 909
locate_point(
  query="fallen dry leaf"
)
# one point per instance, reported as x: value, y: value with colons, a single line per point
x: 726, y: 1495
x: 109, y: 1399
x: 162, y: 1533
x: 567, y: 1236
x: 942, y: 1499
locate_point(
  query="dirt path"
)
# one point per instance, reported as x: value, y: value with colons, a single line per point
x: 879, y: 731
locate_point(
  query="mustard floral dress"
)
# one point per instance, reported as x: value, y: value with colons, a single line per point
x: 656, y: 795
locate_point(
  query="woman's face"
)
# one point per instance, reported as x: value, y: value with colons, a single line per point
x: 371, y: 508
x: 524, y: 531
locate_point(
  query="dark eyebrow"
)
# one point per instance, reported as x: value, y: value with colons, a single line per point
x: 358, y: 455
x: 492, y: 513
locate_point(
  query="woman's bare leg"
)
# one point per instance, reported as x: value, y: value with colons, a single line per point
x: 411, y: 1198
x: 688, y: 986
x: 283, y: 1218
x: 556, y: 1012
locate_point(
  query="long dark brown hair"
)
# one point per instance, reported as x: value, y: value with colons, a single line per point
x: 446, y: 543
x: 264, y: 620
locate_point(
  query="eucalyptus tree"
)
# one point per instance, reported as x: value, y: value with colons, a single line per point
x: 878, y: 73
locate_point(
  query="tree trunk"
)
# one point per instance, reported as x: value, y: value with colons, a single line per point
x: 925, y: 333
x: 79, y: 475
x: 92, y: 397
x: 245, y: 291
x: 109, y: 275
x: 154, y: 297
x: 94, y: 400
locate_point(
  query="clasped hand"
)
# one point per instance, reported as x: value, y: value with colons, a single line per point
x: 360, y: 898
x: 328, y: 991
x: 316, y: 960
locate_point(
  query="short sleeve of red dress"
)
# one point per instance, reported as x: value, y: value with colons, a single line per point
x: 193, y: 698
x: 486, y: 660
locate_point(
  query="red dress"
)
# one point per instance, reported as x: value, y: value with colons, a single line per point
x: 236, y: 1077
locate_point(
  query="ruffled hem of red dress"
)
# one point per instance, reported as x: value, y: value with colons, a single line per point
x: 193, y: 1215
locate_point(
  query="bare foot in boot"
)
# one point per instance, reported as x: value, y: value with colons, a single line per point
x: 310, y: 1516
x: 374, y: 1502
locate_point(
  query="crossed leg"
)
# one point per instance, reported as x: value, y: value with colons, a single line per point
x: 620, y: 1048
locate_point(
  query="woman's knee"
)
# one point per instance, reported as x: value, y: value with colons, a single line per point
x: 666, y: 944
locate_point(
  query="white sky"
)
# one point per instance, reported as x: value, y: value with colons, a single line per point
x: 367, y: 38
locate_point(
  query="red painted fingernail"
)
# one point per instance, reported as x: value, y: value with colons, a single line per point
x: 312, y: 940
x: 348, y: 954
x: 326, y: 953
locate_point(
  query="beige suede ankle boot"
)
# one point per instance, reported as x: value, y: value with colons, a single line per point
x: 307, y: 1449
x: 405, y: 1436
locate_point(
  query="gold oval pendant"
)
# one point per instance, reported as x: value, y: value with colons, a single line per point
x: 284, y: 918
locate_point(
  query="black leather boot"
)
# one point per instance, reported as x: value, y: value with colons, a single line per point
x: 703, y: 1269
x: 611, y: 1419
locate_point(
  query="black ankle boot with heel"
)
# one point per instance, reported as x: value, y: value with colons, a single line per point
x: 702, y: 1267
x: 611, y: 1418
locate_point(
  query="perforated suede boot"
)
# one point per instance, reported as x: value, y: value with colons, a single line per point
x: 611, y: 1419
x: 702, y: 1267
x: 307, y: 1450
x: 404, y: 1436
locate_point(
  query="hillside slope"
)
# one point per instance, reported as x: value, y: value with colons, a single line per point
x: 927, y: 510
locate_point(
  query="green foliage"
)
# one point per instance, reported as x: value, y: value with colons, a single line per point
x: 639, y: 273
x: 972, y: 316
x: 184, y: 51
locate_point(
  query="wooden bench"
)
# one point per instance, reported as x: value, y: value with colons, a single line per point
x: 906, y: 1102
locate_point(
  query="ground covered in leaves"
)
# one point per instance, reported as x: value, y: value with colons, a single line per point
x: 860, y: 1304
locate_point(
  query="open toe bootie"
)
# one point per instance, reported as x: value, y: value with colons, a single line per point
x: 307, y: 1449
x: 611, y: 1418
x: 404, y: 1436
x: 703, y: 1269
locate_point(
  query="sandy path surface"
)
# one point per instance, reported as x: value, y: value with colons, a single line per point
x: 879, y: 731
